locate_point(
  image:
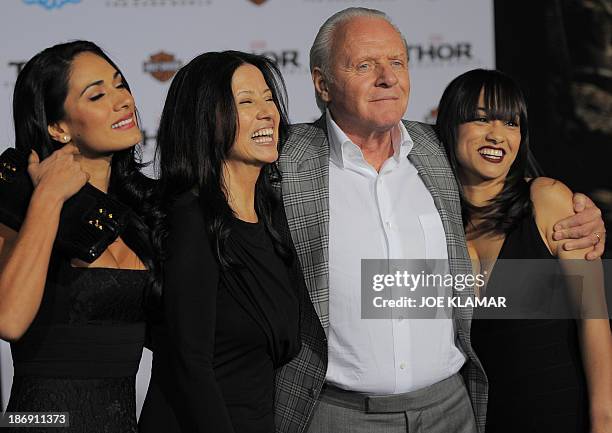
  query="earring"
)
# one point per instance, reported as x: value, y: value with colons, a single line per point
x: 66, y: 138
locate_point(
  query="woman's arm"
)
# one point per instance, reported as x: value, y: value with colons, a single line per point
x: 552, y: 200
x: 24, y: 257
x: 190, y: 299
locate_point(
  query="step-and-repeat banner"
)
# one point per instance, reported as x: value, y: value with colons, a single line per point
x: 151, y: 39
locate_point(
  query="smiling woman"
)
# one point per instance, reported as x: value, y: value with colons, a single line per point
x: 76, y: 329
x: 100, y: 114
x: 544, y: 375
x: 256, y: 141
x: 231, y: 314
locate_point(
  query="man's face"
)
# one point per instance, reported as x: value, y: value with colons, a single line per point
x: 370, y: 85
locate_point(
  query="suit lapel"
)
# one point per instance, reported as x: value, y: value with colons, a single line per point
x: 429, y: 159
x: 304, y: 164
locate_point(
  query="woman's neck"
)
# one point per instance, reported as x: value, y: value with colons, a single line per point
x: 98, y: 168
x: 481, y: 192
x: 240, y: 180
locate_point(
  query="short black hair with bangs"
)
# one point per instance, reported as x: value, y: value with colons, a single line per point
x: 503, y: 100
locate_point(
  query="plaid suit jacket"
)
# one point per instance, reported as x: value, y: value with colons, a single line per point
x: 304, y: 164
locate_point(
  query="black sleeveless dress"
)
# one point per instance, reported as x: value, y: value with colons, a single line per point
x: 82, y: 352
x: 536, y: 377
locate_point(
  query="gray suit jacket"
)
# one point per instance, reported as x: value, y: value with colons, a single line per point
x: 304, y: 164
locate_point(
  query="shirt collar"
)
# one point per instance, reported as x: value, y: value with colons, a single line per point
x: 339, y: 143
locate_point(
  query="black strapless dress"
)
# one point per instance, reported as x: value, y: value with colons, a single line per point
x: 82, y: 352
x: 536, y: 377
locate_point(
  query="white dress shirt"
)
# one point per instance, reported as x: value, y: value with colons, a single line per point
x: 385, y: 215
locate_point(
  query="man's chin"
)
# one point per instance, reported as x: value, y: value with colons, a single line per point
x: 385, y: 123
x: 388, y: 114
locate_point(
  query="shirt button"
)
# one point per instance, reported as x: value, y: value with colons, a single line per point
x: 388, y: 224
x: 403, y: 365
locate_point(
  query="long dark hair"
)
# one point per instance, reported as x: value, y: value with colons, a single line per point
x: 38, y: 101
x: 503, y: 100
x: 197, y: 130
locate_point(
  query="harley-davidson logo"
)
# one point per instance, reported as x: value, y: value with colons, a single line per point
x: 162, y: 66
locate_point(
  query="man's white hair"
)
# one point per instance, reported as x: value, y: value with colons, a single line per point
x: 320, y: 52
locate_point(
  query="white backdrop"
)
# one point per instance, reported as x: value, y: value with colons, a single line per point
x: 149, y: 39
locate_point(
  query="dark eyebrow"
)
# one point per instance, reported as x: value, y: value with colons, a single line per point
x: 95, y: 83
x: 250, y: 92
x: 98, y: 83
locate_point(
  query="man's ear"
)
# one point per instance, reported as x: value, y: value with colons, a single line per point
x: 321, y: 85
x: 59, y: 132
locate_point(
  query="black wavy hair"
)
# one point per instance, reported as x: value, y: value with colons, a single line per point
x: 503, y: 100
x: 197, y: 129
x: 38, y: 101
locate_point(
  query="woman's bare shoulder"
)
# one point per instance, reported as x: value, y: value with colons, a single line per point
x: 551, y: 197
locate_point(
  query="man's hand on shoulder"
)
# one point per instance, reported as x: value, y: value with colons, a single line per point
x: 576, y: 218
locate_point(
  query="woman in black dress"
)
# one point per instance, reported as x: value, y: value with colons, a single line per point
x: 545, y: 375
x: 76, y: 329
x: 231, y: 313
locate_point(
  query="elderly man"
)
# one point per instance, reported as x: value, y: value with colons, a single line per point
x: 362, y: 183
